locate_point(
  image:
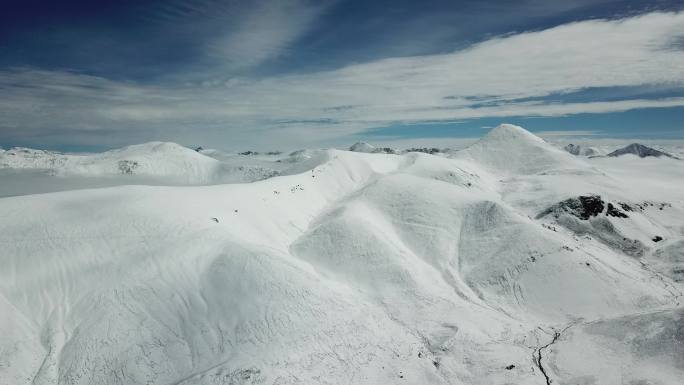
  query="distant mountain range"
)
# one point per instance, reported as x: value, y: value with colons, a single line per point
x: 637, y: 149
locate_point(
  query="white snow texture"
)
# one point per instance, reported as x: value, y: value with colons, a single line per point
x: 492, y: 265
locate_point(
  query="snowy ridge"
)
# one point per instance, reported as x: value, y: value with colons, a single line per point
x: 509, y: 149
x: 161, y: 159
x: 363, y: 269
x: 156, y: 163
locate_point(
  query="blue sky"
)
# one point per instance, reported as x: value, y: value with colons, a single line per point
x: 295, y: 73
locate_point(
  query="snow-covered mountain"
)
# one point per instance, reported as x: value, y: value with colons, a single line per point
x: 510, y: 262
x: 159, y: 159
x: 576, y: 149
x: 362, y: 147
x: 155, y: 163
x: 509, y: 149
x: 639, y: 150
x: 370, y: 149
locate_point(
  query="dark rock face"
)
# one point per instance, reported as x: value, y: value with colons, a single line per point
x: 384, y: 150
x: 127, y: 167
x: 582, y: 207
x: 613, y: 211
x: 581, y: 216
x: 625, y: 206
x: 657, y: 238
x: 640, y: 150
x: 425, y: 150
x: 592, y: 205
x: 572, y: 148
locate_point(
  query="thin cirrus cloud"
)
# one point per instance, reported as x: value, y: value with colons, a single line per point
x: 495, y: 78
x: 263, y: 32
x: 236, y: 35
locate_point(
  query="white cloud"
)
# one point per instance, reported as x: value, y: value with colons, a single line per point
x: 566, y: 133
x: 316, y: 108
x: 263, y: 31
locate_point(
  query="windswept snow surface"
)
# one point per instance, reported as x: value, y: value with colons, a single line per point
x: 362, y: 269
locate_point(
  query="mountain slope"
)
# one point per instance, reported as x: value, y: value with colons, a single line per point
x: 365, y: 269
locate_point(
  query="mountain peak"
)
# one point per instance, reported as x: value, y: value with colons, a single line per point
x: 511, y: 149
x: 362, y: 147
x: 505, y: 132
x: 639, y: 150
